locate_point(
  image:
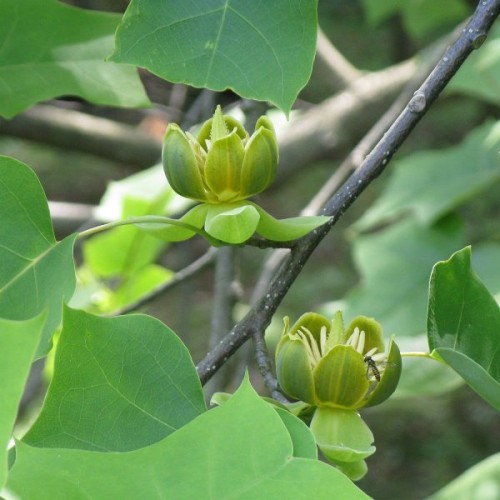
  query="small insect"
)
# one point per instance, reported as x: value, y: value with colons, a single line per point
x: 371, y: 366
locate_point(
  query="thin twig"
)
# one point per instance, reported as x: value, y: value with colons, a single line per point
x: 259, y: 317
x: 179, y: 277
x: 265, y: 367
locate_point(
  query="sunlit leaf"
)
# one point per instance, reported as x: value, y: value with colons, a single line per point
x: 239, y: 450
x: 50, y: 49
x: 18, y: 341
x: 262, y: 51
x: 36, y: 272
x: 119, y: 384
x: 463, y: 325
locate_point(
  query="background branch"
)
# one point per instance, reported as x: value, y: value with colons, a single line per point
x: 259, y: 317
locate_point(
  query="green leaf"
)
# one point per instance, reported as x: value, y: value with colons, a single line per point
x: 119, y: 384
x: 463, y: 323
x: 18, y: 342
x: 432, y: 183
x: 479, y: 482
x: 423, y: 17
x: 261, y: 51
x: 304, y: 445
x: 36, y: 272
x: 287, y: 229
x: 378, y: 11
x: 233, y: 223
x: 420, y: 17
x: 239, y: 450
x: 395, y: 265
x: 484, y: 66
x: 125, y: 250
x: 50, y: 49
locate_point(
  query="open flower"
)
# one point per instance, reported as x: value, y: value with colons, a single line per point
x: 320, y: 363
x: 338, y: 371
x: 221, y: 168
x: 222, y: 165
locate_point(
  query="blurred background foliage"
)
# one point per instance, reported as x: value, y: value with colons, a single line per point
x: 439, y: 194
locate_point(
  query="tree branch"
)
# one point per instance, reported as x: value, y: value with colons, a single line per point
x: 259, y: 317
x: 336, y: 70
x: 70, y: 129
x: 179, y: 277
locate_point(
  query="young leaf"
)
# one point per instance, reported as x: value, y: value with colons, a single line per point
x: 36, y: 272
x: 261, y: 51
x: 463, y: 325
x: 119, y: 384
x: 18, y: 341
x: 50, y: 49
x: 239, y: 450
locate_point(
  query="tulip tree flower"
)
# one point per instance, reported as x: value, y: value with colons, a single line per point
x: 338, y: 371
x: 221, y: 168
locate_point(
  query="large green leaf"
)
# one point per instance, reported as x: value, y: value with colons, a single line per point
x: 119, y: 384
x: 463, y: 325
x: 50, y: 49
x: 18, y: 341
x: 239, y: 450
x: 479, y: 482
x: 260, y: 50
x: 36, y: 272
x: 395, y: 265
x: 432, y: 183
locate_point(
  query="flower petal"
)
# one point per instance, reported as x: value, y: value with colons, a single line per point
x: 293, y: 369
x: 340, y: 379
x: 180, y: 165
x: 223, y: 167
x: 260, y: 162
x: 342, y: 435
x: 389, y: 379
x: 231, y: 223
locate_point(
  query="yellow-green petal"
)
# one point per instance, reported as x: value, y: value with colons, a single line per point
x: 180, y: 165
x: 342, y: 435
x: 231, y: 124
x: 260, y: 162
x: 389, y: 379
x: 223, y: 168
x: 373, y: 332
x: 340, y: 379
x: 293, y: 369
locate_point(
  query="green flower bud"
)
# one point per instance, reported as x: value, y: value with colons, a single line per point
x: 224, y: 164
x: 325, y: 365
